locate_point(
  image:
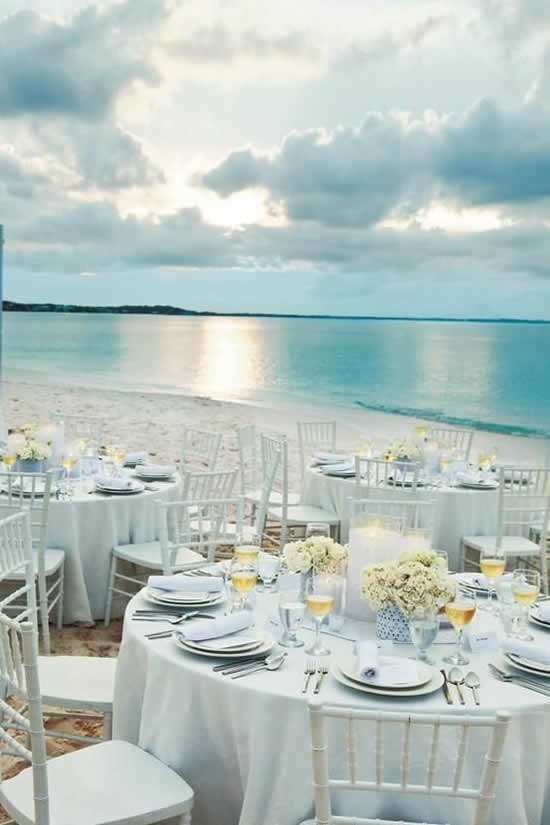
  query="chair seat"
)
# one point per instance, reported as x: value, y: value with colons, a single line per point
x: 112, y: 782
x: 511, y: 545
x: 148, y: 555
x: 53, y: 560
x: 85, y: 682
x: 275, y: 498
x: 303, y: 514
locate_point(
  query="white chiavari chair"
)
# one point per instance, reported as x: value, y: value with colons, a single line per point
x: 313, y: 436
x: 523, y: 501
x: 200, y: 449
x: 84, y: 683
x: 209, y: 484
x: 408, y: 513
x: 289, y: 515
x: 202, y: 526
x: 111, y: 782
x: 252, y: 470
x: 453, y: 439
x: 48, y: 561
x: 374, y: 474
x: 419, y: 769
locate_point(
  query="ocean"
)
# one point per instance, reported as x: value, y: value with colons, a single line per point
x: 493, y: 376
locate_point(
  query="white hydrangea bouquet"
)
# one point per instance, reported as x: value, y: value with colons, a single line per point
x: 320, y: 554
x: 401, y: 451
x: 414, y: 583
x: 25, y: 446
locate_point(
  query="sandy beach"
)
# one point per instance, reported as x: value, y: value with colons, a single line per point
x: 153, y: 421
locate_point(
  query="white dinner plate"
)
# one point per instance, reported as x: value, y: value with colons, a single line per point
x: 266, y: 645
x: 154, y: 477
x: 528, y: 665
x: 484, y: 485
x: 213, y: 599
x: 235, y: 647
x: 117, y: 491
x: 348, y: 666
x: 535, y: 618
x: 466, y: 580
x: 434, y: 684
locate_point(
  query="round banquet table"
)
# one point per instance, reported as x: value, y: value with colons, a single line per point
x: 87, y: 527
x: 243, y: 745
x: 458, y: 511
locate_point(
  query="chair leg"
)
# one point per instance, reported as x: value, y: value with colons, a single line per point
x: 59, y: 623
x: 109, y: 600
x: 108, y: 725
x: 44, y: 614
x: 185, y: 819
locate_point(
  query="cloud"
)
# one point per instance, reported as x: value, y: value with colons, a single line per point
x: 218, y: 43
x: 516, y: 21
x: 80, y: 67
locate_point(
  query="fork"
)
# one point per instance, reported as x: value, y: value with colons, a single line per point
x: 309, y: 671
x: 527, y: 683
x: 321, y: 673
x: 172, y: 619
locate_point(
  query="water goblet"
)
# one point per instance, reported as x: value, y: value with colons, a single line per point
x: 525, y: 590
x: 315, y: 528
x: 269, y: 565
x: 492, y: 564
x: 319, y: 602
x: 243, y: 579
x: 292, y: 609
x: 118, y: 456
x: 461, y: 610
x: 424, y: 627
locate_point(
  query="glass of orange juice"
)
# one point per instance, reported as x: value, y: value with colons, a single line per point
x: 492, y: 564
x: 320, y: 598
x: 460, y: 611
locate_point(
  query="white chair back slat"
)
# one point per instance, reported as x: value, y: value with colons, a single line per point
x: 375, y: 474
x: 208, y: 485
x: 402, y: 514
x: 16, y: 556
x: 480, y: 787
x: 247, y: 443
x: 270, y: 464
x: 199, y: 525
x: 313, y: 436
x: 451, y: 438
x: 200, y: 449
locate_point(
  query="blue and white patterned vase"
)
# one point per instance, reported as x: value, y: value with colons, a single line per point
x: 391, y: 623
x: 29, y: 465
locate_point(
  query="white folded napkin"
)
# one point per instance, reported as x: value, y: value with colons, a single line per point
x: 137, y: 458
x: 198, y: 584
x: 334, y: 469
x: 114, y: 483
x: 215, y: 628
x: 329, y: 458
x: 469, y: 478
x: 543, y: 611
x: 479, y: 580
x: 367, y: 659
x: 157, y: 469
x: 527, y: 650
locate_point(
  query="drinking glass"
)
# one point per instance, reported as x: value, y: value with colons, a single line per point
x: 525, y: 589
x: 269, y: 565
x: 243, y: 579
x: 317, y: 529
x: 424, y: 628
x: 9, y: 460
x: 485, y: 461
x: 445, y: 462
x: 442, y: 560
x: 319, y: 602
x: 118, y: 456
x: 461, y: 610
x: 492, y: 564
x: 69, y: 462
x: 247, y: 553
x: 292, y: 609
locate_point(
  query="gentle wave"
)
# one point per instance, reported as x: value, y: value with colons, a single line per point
x: 470, y: 423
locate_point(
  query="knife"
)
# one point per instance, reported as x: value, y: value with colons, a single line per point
x: 445, y: 687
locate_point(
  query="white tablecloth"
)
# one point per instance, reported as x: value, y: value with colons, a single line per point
x: 243, y: 744
x: 459, y: 512
x: 87, y: 527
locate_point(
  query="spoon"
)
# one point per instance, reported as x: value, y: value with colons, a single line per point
x: 472, y: 681
x: 456, y: 678
x: 274, y: 663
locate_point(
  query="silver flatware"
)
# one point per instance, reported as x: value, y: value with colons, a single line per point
x: 273, y: 665
x: 252, y: 659
x: 472, y: 681
x: 242, y: 666
x: 527, y: 683
x: 321, y: 673
x: 184, y: 617
x: 445, y: 688
x: 161, y: 634
x: 456, y: 678
x: 309, y: 671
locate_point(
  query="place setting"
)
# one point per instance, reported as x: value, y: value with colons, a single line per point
x: 181, y: 591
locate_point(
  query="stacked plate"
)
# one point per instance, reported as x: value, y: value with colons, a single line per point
x: 528, y: 665
x: 480, y: 484
x: 428, y: 679
x: 234, y: 646
x: 27, y: 491
x: 475, y: 582
x: 183, y: 598
x: 408, y: 481
x: 154, y: 472
x: 114, y: 490
x: 535, y: 617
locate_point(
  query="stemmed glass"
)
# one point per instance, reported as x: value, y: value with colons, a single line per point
x: 424, y: 628
x: 118, y: 456
x: 445, y: 462
x: 9, y: 458
x: 492, y: 564
x: 269, y: 565
x: 525, y: 589
x: 291, y: 613
x: 69, y: 461
x: 319, y: 602
x: 485, y: 461
x: 315, y: 528
x: 247, y: 553
x: 460, y: 611
x: 243, y: 579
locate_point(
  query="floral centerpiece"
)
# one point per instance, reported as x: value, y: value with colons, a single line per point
x: 398, y: 590
x: 401, y: 451
x: 26, y: 447
x: 319, y: 554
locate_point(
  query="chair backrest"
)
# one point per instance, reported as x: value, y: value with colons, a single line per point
x: 247, y: 443
x: 200, y: 449
x: 453, y: 439
x: 199, y: 525
x: 19, y: 678
x: 37, y: 489
x: 315, y: 435
x: 271, y: 464
x: 16, y: 556
x: 376, y: 474
x: 208, y: 485
x: 410, y: 513
x: 380, y: 777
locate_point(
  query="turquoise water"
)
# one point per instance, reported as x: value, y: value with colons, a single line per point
x: 495, y: 376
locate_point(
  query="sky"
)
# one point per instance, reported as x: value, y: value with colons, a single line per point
x: 354, y: 157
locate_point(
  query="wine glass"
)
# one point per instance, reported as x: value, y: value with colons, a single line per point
x: 69, y: 461
x: 492, y: 564
x: 319, y: 602
x: 247, y: 553
x: 243, y: 579
x: 424, y: 628
x: 485, y: 461
x: 442, y: 560
x: 525, y: 589
x: 292, y: 609
x: 269, y: 565
x: 461, y: 610
x: 8, y: 459
x: 446, y: 460
x: 118, y: 456
x: 315, y: 528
